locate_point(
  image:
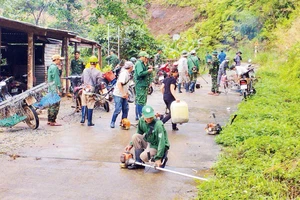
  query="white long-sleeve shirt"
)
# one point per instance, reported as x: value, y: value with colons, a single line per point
x: 182, y: 65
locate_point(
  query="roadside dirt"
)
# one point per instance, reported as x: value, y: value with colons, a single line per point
x: 169, y: 20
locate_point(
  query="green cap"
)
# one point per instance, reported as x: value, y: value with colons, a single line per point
x: 148, y: 111
x: 215, y: 53
x: 143, y: 54
x: 159, y: 49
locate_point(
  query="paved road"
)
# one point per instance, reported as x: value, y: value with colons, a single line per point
x: 80, y: 162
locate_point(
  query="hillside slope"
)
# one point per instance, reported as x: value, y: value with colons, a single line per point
x: 169, y: 20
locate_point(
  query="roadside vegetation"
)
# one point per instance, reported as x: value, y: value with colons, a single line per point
x: 261, y: 148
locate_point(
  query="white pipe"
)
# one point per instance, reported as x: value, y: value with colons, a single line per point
x: 174, y: 172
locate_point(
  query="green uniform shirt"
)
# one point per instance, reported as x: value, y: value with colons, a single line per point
x: 77, y: 66
x: 141, y: 75
x: 193, y: 61
x: 53, y: 76
x: 113, y: 60
x: 157, y: 59
x: 158, y: 139
x: 213, y: 71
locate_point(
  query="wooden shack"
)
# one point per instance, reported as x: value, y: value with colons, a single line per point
x: 27, y: 49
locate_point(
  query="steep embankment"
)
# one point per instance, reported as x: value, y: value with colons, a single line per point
x: 169, y: 19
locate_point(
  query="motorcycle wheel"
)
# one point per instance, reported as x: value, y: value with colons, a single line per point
x: 131, y: 96
x: 106, y: 106
x: 150, y: 90
x: 32, y: 119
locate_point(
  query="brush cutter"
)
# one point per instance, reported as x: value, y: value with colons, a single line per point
x: 131, y: 161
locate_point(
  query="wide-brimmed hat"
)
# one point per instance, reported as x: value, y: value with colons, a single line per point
x: 214, y: 53
x: 148, y: 111
x: 56, y: 57
x: 193, y: 51
x: 184, y: 53
x: 239, y: 52
x: 128, y: 64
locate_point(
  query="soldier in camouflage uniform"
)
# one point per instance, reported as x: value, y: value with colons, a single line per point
x: 53, y: 76
x: 142, y: 78
x: 77, y: 65
x: 213, y: 72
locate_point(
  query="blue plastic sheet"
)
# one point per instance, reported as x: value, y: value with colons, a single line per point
x: 48, y: 100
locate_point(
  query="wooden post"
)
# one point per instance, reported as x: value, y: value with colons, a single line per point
x: 66, y: 61
x: 30, y: 61
x: 100, y: 57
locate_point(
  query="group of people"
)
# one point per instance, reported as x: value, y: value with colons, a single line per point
x: 151, y: 133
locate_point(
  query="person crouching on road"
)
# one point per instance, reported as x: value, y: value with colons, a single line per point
x: 53, y: 76
x: 121, y: 93
x: 168, y: 89
x: 142, y: 79
x: 151, y: 136
x: 183, y: 71
x: 90, y: 77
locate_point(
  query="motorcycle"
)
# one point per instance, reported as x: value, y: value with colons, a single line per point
x: 75, y: 87
x: 27, y: 110
x: 161, y: 73
x: 246, y: 83
x: 101, y: 95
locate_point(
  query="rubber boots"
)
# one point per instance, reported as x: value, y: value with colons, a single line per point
x: 138, y: 159
x: 90, y: 117
x: 83, y: 114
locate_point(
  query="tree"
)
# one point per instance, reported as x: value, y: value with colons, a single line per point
x: 120, y: 12
x: 25, y: 10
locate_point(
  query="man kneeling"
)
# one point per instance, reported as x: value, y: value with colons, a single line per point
x: 152, y: 137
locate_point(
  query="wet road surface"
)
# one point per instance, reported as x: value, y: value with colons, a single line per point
x: 80, y: 162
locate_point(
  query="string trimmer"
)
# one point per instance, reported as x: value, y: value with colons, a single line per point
x: 127, y: 160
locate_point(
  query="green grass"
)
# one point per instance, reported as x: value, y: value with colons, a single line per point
x: 261, y: 153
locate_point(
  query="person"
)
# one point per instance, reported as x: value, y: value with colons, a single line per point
x: 142, y: 79
x: 90, y: 77
x: 77, y: 65
x: 157, y: 58
x: 183, y: 71
x: 53, y: 76
x: 213, y: 72
x: 238, y: 58
x: 193, y: 69
x: 112, y: 59
x: 121, y: 93
x: 208, y: 59
x: 151, y: 136
x: 239, y: 71
x: 222, y: 56
x: 222, y: 69
x: 168, y: 89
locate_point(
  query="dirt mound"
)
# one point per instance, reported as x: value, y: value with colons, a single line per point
x: 169, y: 20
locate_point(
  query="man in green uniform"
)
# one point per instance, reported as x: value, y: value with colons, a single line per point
x: 208, y: 59
x: 112, y: 59
x: 193, y: 69
x: 213, y: 72
x: 53, y: 76
x: 77, y: 65
x: 142, y: 78
x: 158, y: 58
x: 152, y: 136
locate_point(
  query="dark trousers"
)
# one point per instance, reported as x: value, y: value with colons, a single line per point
x: 168, y: 116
